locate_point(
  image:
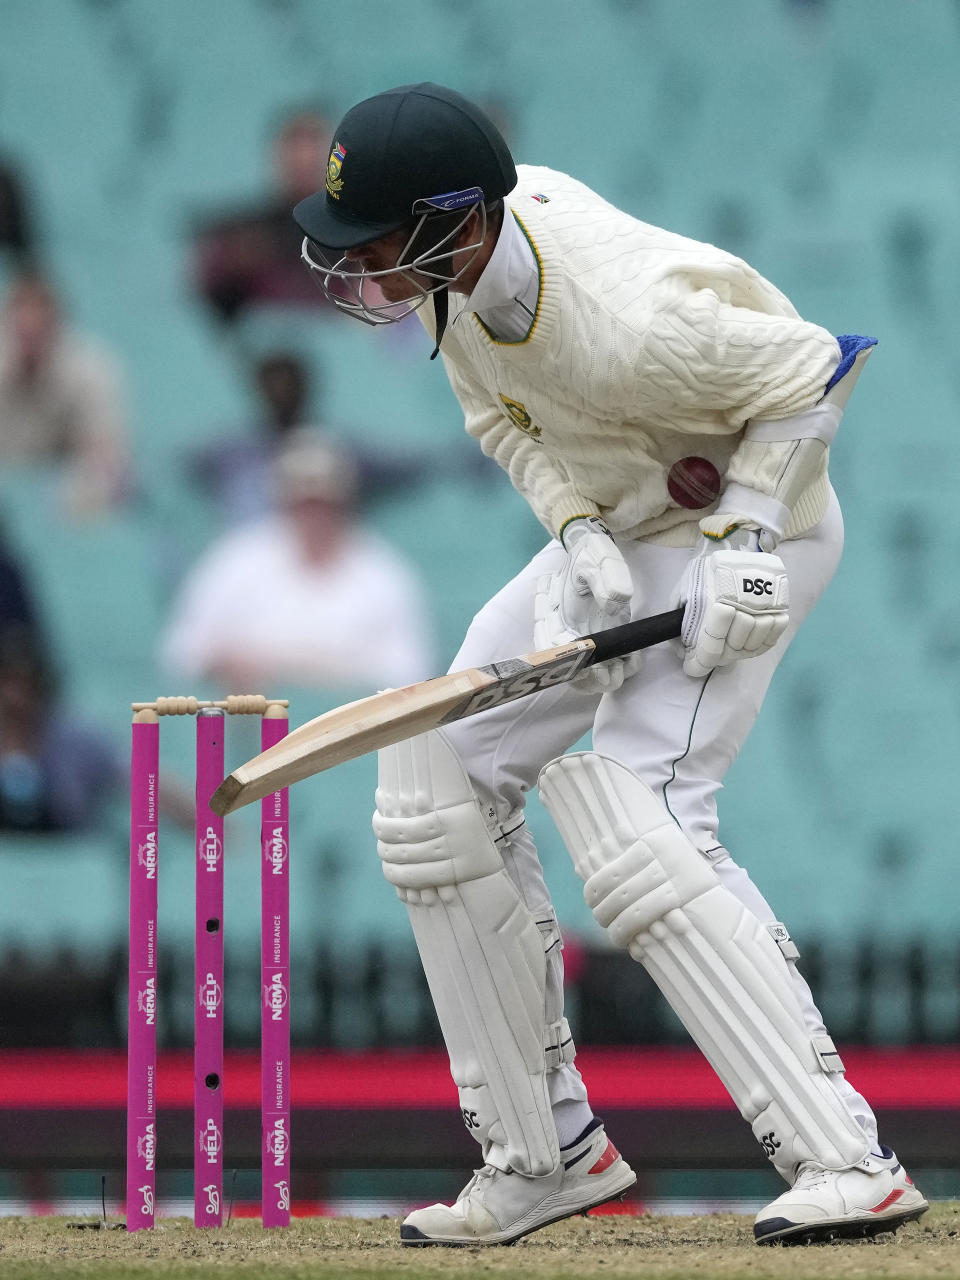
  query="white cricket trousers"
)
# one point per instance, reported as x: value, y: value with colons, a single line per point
x: 678, y: 733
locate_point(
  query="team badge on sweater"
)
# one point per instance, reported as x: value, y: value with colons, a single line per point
x: 520, y: 418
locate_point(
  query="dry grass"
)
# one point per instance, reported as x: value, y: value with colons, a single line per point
x: 661, y: 1248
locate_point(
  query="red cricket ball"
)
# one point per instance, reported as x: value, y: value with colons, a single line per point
x: 693, y: 483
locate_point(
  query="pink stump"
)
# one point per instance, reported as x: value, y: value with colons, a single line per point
x: 275, y: 981
x: 142, y: 989
x: 208, y: 1011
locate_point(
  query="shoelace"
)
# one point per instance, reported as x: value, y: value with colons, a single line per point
x: 487, y: 1172
x: 809, y: 1175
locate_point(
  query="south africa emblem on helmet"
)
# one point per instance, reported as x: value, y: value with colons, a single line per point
x: 334, y: 165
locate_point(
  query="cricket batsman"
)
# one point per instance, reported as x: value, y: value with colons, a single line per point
x: 667, y: 415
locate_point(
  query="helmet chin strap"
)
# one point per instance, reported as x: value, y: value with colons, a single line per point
x: 441, y: 309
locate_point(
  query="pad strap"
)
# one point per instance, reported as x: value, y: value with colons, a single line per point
x: 778, y: 932
x: 558, y: 1046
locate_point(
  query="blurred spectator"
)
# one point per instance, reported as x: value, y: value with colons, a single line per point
x: 238, y: 469
x: 251, y: 255
x: 55, y: 771
x: 16, y: 231
x: 304, y: 595
x: 60, y: 399
x: 17, y: 605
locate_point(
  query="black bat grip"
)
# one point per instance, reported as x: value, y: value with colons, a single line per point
x: 615, y: 642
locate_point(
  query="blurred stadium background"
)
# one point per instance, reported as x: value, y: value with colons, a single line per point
x: 816, y: 138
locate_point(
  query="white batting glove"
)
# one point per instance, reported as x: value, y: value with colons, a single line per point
x: 737, y: 606
x: 592, y: 591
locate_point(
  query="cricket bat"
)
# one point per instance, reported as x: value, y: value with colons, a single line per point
x: 385, y: 718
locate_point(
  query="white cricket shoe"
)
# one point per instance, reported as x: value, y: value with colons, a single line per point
x: 875, y: 1195
x: 497, y: 1207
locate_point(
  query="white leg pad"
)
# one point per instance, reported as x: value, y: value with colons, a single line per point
x: 483, y: 952
x: 720, y: 968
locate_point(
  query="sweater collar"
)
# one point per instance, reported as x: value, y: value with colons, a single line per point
x: 506, y: 296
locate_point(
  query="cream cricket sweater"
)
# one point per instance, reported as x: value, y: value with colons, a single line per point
x: 646, y: 348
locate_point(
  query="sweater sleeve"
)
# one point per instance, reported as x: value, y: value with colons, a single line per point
x: 539, y: 477
x: 704, y: 353
x: 747, y: 365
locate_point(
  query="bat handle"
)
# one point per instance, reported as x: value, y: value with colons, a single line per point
x: 615, y: 642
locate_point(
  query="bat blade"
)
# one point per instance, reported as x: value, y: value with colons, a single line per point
x: 385, y: 718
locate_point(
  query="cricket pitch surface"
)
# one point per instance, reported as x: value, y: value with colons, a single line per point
x: 643, y: 1248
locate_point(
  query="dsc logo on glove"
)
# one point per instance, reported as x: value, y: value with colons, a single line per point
x: 757, y: 586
